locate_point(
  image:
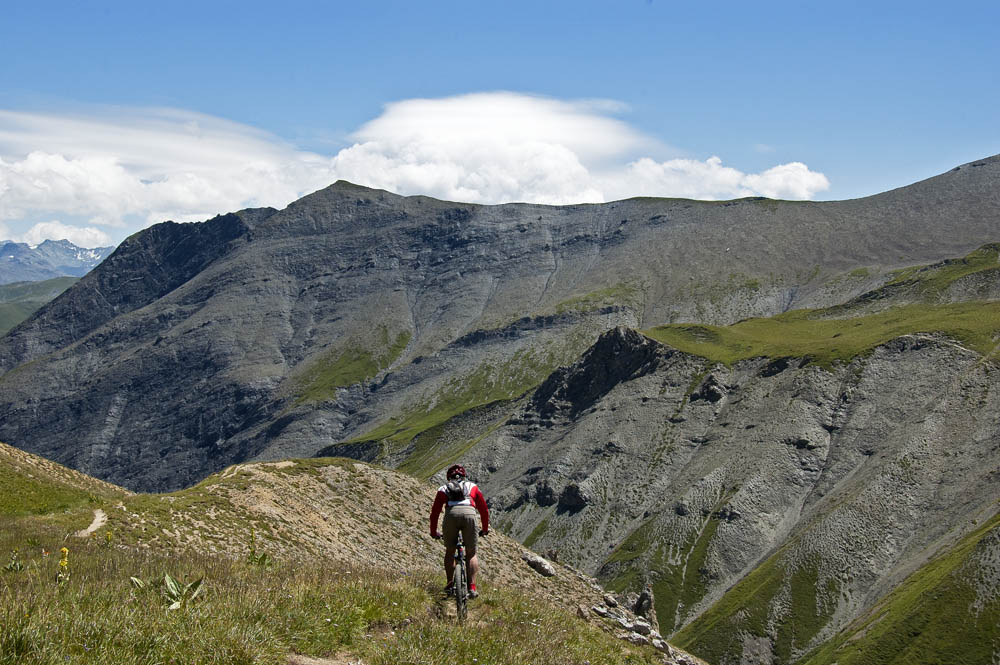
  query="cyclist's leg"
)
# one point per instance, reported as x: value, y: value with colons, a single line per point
x: 470, y: 535
x: 473, y: 569
x: 449, y: 564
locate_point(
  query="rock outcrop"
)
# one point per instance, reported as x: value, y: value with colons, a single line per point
x: 821, y: 485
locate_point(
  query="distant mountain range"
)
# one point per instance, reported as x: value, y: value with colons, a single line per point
x: 20, y: 262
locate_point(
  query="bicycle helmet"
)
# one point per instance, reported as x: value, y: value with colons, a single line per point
x: 455, y: 470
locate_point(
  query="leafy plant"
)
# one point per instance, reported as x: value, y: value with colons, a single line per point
x: 180, y: 595
x: 254, y: 558
x: 14, y: 565
x: 140, y: 584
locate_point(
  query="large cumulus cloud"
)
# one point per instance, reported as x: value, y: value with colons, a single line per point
x: 134, y: 167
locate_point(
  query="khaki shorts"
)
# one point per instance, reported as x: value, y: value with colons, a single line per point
x: 461, y: 518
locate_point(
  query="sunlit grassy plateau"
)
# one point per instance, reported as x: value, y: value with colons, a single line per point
x: 824, y: 341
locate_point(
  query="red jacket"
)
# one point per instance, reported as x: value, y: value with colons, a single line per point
x: 474, y: 496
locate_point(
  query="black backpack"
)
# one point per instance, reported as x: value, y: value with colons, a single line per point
x: 455, y: 489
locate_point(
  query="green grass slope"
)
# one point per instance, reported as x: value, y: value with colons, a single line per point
x: 146, y: 588
x: 931, y: 281
x: 491, y: 383
x: 357, y: 360
x: 20, y: 300
x: 807, y: 334
x: 947, y: 612
x: 910, y: 302
x: 30, y: 485
x: 781, y: 601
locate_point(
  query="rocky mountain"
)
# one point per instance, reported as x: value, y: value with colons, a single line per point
x: 769, y: 503
x: 21, y: 262
x: 805, y: 421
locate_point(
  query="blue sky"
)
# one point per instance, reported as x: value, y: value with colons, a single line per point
x: 115, y: 115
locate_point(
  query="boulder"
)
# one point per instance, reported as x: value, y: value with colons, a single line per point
x: 645, y: 607
x: 540, y: 565
x: 625, y: 623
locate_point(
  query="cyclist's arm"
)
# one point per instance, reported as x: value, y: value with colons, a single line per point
x: 439, y: 502
x: 484, y: 511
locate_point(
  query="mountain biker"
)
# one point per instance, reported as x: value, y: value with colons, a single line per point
x: 461, y: 499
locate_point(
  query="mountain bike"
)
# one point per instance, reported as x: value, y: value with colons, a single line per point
x: 461, y: 581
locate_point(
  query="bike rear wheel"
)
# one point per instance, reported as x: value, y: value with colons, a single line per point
x: 461, y: 591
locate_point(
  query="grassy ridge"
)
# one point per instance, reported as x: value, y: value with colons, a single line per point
x: 932, y: 280
x: 30, y: 485
x: 628, y: 295
x: 487, y: 384
x: 23, y: 495
x: 801, y: 334
x: 436, y: 448
x: 258, y: 612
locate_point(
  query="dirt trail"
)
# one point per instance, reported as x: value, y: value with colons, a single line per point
x: 336, y: 659
x: 100, y: 519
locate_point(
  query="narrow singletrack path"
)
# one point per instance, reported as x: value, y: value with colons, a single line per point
x: 336, y: 659
x: 100, y: 519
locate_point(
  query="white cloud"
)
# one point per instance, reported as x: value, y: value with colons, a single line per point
x: 787, y: 181
x: 116, y: 167
x: 489, y: 148
x: 498, y: 147
x: 56, y: 230
x: 688, y: 178
x: 153, y: 163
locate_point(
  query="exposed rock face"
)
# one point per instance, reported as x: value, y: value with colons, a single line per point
x: 265, y: 334
x: 848, y: 474
x: 618, y: 356
x: 144, y: 268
